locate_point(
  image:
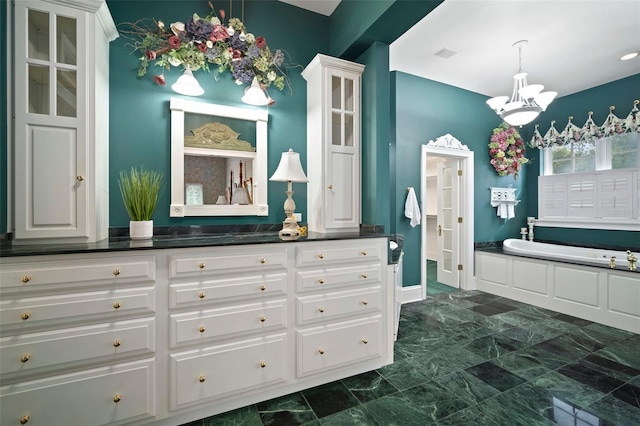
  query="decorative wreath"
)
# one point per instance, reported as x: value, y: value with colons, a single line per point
x: 507, y: 150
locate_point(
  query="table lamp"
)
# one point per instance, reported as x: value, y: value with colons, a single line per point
x: 289, y: 170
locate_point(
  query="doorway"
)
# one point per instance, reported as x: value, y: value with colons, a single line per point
x: 447, y: 199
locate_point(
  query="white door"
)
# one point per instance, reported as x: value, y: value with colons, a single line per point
x: 448, y: 230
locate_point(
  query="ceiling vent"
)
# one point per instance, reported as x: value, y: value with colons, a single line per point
x: 446, y: 53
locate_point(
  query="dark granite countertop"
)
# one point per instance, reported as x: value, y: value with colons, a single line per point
x: 178, y: 238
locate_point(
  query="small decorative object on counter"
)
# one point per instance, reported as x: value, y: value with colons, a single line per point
x: 139, y: 189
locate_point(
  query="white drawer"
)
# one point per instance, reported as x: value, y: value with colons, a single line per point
x: 338, y: 252
x: 203, y: 374
x: 326, y: 347
x: 320, y: 279
x: 329, y: 306
x: 58, y: 274
x: 86, y: 398
x: 198, y: 293
x: 20, y: 314
x: 226, y: 260
x: 194, y: 327
x: 61, y: 348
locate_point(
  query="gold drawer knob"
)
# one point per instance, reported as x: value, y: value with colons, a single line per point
x: 201, y: 265
x: 79, y: 178
x: 25, y: 315
x: 201, y: 295
x: 321, y: 256
x: 201, y: 329
x: 24, y: 419
x: 364, y: 275
x: 364, y: 302
x: 365, y: 341
x: 201, y: 379
x: 363, y: 252
x: 321, y: 281
x: 116, y: 305
x: 117, y: 398
x: 116, y: 272
x: 321, y: 351
x: 321, y: 309
x: 25, y: 357
x: 330, y: 186
x: 116, y: 344
x: 263, y: 364
x: 263, y: 260
x: 263, y: 318
x: 263, y: 287
x: 26, y: 279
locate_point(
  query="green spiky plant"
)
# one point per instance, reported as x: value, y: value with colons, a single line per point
x: 139, y: 189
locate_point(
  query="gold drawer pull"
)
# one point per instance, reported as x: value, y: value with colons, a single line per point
x: 321, y: 256
x: 201, y: 295
x: 321, y: 351
x: 321, y: 281
x: 263, y: 318
x: 201, y: 265
x: 25, y: 357
x: 263, y: 260
x: 116, y: 344
x: 25, y: 315
x: 330, y: 186
x: 364, y: 275
x: 365, y: 341
x: 364, y: 302
x: 263, y: 364
x: 116, y: 305
x: 79, y: 178
x: 201, y: 379
x: 263, y: 287
x: 26, y: 279
x: 363, y: 252
x: 117, y: 398
x: 116, y: 272
x: 24, y: 419
x: 201, y: 329
x: 321, y: 309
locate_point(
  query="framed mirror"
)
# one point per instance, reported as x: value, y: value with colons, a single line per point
x: 218, y: 160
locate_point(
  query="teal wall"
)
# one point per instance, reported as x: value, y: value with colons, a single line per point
x: 3, y: 126
x: 621, y: 94
x: 139, y: 109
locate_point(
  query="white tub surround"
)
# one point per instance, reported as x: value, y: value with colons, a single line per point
x: 595, y: 293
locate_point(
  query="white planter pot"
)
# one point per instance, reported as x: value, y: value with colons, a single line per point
x: 141, y: 229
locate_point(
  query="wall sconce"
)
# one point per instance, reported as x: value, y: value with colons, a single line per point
x: 187, y: 84
x: 289, y: 170
x: 254, y: 95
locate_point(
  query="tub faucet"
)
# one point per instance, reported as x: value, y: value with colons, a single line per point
x: 632, y: 259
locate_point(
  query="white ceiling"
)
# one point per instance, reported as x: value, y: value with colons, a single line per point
x: 573, y: 44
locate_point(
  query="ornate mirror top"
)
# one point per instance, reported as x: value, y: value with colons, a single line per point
x: 217, y: 136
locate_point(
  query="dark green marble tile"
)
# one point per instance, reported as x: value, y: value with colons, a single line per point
x: 368, y: 386
x: 524, y: 364
x: 356, y: 416
x: 246, y: 416
x: 573, y: 320
x: 521, y: 318
x: 628, y: 393
x: 290, y: 409
x: 494, y: 323
x: 467, y: 387
x: 329, y: 399
x: 549, y: 360
x: 624, y: 352
x: 565, y: 347
x: 614, y: 333
x: 609, y: 367
x: 436, y: 401
x: 396, y: 410
x: 449, y: 360
x: 614, y: 412
x: 483, y: 298
x: 408, y: 372
x: 557, y: 324
x: 493, y: 346
x: 495, y: 376
x: 493, y: 308
x: 467, y: 417
x: 539, y: 312
x: 596, y: 337
x: 508, y: 412
x: 532, y: 334
x: 590, y: 377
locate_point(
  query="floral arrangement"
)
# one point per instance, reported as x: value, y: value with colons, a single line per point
x: 204, y: 43
x: 507, y: 150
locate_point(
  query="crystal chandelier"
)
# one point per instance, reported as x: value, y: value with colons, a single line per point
x: 527, y: 100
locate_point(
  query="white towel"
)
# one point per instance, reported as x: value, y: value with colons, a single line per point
x: 502, y: 210
x: 511, y: 211
x: 412, y: 209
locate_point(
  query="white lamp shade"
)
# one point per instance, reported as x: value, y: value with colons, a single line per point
x: 521, y: 116
x: 544, y: 99
x: 497, y: 103
x: 289, y: 168
x: 187, y: 84
x: 254, y: 95
x: 530, y: 91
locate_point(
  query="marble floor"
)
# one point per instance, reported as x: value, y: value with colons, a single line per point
x: 471, y: 358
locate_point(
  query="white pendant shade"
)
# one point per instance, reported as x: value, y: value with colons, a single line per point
x: 530, y: 91
x: 187, y: 84
x: 289, y: 169
x: 254, y: 95
x: 545, y: 98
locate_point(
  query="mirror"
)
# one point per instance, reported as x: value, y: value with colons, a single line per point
x: 218, y: 160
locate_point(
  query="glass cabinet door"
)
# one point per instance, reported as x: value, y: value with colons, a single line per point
x: 342, y: 111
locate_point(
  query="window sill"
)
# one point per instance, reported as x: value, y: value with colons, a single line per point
x: 612, y: 224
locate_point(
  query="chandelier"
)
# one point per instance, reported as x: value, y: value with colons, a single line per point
x: 527, y: 100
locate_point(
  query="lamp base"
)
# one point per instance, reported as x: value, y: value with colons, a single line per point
x: 290, y: 230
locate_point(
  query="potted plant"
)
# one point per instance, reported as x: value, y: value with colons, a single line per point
x: 140, y: 189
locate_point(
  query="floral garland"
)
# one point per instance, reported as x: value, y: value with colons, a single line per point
x: 507, y: 150
x: 202, y: 42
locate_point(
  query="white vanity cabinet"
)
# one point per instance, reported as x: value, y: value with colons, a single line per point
x: 61, y: 100
x: 78, y: 339
x: 333, y: 144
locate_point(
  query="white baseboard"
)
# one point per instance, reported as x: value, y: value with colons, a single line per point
x: 411, y: 293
